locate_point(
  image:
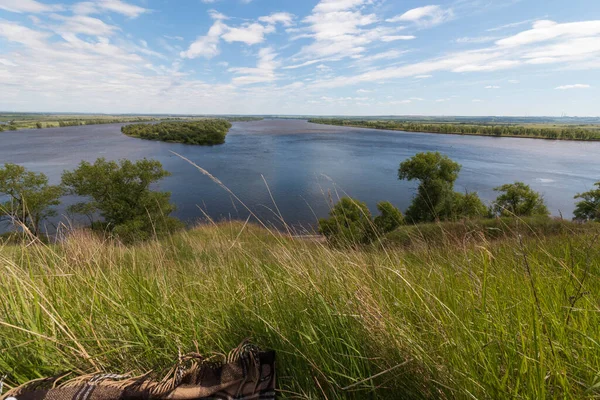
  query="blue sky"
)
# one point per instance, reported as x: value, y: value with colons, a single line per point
x: 343, y: 57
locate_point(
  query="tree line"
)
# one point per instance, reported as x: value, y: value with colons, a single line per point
x: 557, y: 133
x: 206, y: 132
x: 118, y: 199
x: 350, y: 221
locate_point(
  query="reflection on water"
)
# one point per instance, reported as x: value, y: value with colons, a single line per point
x: 306, y: 164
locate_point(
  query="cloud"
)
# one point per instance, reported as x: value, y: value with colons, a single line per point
x: 513, y: 81
x: 511, y: 25
x: 479, y: 39
x: 250, y: 33
x: 545, y: 30
x: 116, y: 6
x: 392, y: 38
x: 27, y: 6
x: 423, y: 76
x: 425, y: 16
x: 206, y: 46
x: 264, y: 71
x: 492, y: 87
x: 286, y: 19
x: 342, y: 29
x: 81, y: 24
x: 575, y: 44
x: 575, y: 86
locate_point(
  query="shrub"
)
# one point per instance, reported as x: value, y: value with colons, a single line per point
x: 349, y: 223
x: 389, y: 219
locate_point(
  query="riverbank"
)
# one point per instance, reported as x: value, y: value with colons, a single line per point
x: 537, y: 131
x: 502, y: 319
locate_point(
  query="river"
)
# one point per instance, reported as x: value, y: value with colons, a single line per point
x: 305, y: 166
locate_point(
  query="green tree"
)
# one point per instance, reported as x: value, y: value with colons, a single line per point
x: 30, y: 197
x: 349, y: 223
x: 588, y: 209
x: 390, y: 218
x: 120, y: 193
x: 469, y: 205
x: 435, y: 196
x: 518, y: 199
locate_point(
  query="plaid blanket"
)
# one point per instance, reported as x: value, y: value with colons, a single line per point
x: 247, y: 373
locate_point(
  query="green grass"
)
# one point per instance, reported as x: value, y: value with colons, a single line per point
x: 511, y: 318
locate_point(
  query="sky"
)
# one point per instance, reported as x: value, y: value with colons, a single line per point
x: 302, y: 57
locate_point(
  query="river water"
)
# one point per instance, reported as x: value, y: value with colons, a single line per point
x: 305, y: 166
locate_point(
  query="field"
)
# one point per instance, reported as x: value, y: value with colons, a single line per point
x: 33, y: 121
x: 462, y: 316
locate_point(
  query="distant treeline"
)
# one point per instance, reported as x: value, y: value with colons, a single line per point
x: 205, y: 132
x: 558, y: 133
x: 243, y: 119
x: 102, y: 121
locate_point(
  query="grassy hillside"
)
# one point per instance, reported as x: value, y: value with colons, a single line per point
x: 512, y: 318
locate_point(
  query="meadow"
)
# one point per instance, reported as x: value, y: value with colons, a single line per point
x: 453, y: 314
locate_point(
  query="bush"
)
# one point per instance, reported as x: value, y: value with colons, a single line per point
x: 349, y: 223
x: 390, y: 218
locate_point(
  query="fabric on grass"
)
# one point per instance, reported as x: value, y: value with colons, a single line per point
x: 247, y: 373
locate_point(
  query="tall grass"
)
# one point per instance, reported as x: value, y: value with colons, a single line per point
x: 514, y: 318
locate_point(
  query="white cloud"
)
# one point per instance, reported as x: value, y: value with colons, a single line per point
x: 27, y: 6
x: 341, y: 29
x: 545, y: 30
x: 206, y: 46
x: 7, y: 63
x: 286, y: 19
x: 572, y: 45
x: 425, y: 16
x: 423, y: 76
x: 392, y: 38
x: 250, y: 33
x: 386, y: 55
x: 478, y: 39
x: 512, y: 25
x: 116, y: 6
x: 264, y: 71
x: 363, y: 91
x: 492, y: 87
x: 575, y: 86
x: 81, y: 24
x: 513, y: 81
x: 326, y: 6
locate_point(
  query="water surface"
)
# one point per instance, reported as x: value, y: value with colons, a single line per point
x: 306, y: 165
